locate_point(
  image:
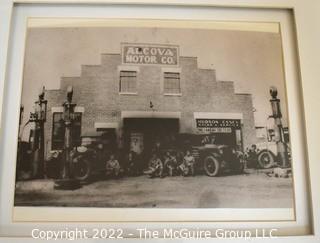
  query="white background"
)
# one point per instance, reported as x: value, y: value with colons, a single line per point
x: 308, y: 35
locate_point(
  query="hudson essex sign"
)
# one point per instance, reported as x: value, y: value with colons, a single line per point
x: 217, y: 125
x: 150, y: 54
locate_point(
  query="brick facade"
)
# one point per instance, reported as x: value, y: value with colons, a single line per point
x: 97, y: 91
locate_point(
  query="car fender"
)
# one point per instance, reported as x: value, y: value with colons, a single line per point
x: 214, y: 154
x: 271, y: 146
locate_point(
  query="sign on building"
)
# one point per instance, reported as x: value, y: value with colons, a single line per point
x: 147, y: 54
x: 136, y: 142
x: 217, y: 125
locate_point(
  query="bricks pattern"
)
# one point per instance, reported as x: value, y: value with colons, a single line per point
x: 97, y: 90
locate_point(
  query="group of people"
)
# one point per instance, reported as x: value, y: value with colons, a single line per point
x: 159, y: 165
x: 170, y: 166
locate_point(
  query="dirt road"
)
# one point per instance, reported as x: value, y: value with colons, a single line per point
x: 250, y: 190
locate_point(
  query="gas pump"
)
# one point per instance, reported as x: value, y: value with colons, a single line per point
x: 38, y: 117
x: 278, y: 129
x: 68, y: 181
x: 20, y: 151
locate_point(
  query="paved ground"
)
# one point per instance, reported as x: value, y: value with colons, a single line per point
x: 251, y: 190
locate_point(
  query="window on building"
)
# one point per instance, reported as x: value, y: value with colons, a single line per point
x: 58, y: 130
x: 128, y: 82
x: 171, y: 84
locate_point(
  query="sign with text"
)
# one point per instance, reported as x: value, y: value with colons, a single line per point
x: 217, y: 125
x: 215, y: 129
x: 145, y: 54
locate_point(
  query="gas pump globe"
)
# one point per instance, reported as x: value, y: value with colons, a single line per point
x: 275, y: 103
x: 42, y: 107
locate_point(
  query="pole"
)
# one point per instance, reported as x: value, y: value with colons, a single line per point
x: 20, y: 151
x: 39, y: 118
x: 68, y: 113
x: 278, y: 129
x: 68, y: 182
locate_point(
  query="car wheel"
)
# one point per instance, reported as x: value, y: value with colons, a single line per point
x: 265, y: 159
x: 82, y: 169
x: 211, y: 166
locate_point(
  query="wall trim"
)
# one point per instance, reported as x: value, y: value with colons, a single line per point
x: 106, y: 125
x: 171, y: 69
x: 215, y: 115
x: 128, y: 68
x: 150, y: 114
x: 58, y: 109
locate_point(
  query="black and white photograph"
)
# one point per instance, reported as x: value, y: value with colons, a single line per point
x: 154, y: 114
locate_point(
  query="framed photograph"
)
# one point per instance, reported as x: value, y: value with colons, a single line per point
x: 157, y: 120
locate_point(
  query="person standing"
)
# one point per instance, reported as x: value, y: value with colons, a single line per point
x: 132, y: 164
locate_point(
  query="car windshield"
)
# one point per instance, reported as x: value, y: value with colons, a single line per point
x: 203, y: 139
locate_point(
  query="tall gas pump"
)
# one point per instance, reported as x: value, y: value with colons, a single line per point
x: 20, y: 151
x: 278, y: 129
x: 38, y: 117
x: 68, y: 182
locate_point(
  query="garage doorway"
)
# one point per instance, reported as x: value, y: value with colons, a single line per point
x: 141, y: 134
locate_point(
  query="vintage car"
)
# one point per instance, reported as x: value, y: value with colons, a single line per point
x: 211, y: 157
x: 267, y: 154
x: 88, y: 159
x: 217, y: 159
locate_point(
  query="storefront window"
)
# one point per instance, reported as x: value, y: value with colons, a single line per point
x: 171, y: 83
x: 128, y: 82
x: 58, y: 130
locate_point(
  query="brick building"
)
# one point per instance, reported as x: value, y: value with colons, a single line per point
x: 141, y: 100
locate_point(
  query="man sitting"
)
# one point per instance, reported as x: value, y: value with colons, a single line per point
x: 113, y: 167
x: 155, y: 167
x: 187, y: 166
x: 170, y: 163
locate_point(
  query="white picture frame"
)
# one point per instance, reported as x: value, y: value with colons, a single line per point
x: 304, y: 15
